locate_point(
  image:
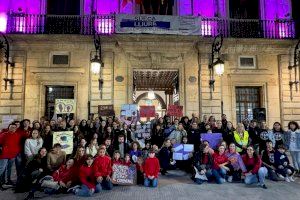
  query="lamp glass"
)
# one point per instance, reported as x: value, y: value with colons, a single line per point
x: 95, y: 67
x: 219, y: 68
x: 151, y: 95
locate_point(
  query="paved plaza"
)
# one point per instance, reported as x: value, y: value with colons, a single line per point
x: 178, y: 185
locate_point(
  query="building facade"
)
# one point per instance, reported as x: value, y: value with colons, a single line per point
x: 52, y: 60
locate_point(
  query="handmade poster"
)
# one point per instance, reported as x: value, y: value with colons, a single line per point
x: 65, y: 139
x: 7, y: 119
x: 106, y: 110
x: 124, y: 175
x: 129, y: 110
x: 214, y: 139
x: 143, y: 130
x: 175, y: 110
x: 65, y: 106
x: 147, y: 111
x: 177, y: 156
x: 188, y: 147
x: 182, y: 151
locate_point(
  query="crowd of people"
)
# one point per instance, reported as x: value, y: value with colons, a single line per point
x: 248, y: 153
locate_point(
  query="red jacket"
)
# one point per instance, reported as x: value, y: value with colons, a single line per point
x: 127, y: 163
x: 86, y: 176
x: 102, y: 166
x: 11, y: 144
x: 151, y: 167
x: 252, y: 164
x: 117, y: 162
x: 219, y: 159
x: 63, y: 174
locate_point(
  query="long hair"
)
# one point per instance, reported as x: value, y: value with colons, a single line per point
x: 295, y: 123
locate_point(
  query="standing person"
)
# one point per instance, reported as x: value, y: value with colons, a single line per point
x: 282, y: 164
x: 255, y: 172
x: 165, y: 156
x: 268, y: 160
x: 224, y: 121
x: 194, y: 135
x: 186, y: 123
x: 203, y: 123
x: 264, y: 135
x: 293, y: 143
x: 228, y: 133
x: 241, y: 138
x: 55, y: 158
x: 121, y: 146
x: 178, y: 133
x: 278, y: 134
x: 254, y: 134
x: 127, y: 133
x: 92, y: 148
x: 140, y: 170
x: 218, y: 128
x: 102, y: 171
x: 157, y: 136
x: 151, y: 170
x: 219, y: 166
x: 109, y: 147
x: 236, y: 163
x: 33, y: 144
x: 47, y: 136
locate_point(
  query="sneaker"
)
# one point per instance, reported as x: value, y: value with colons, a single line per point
x: 287, y: 179
x: 223, y: 180
x: 73, y: 189
x: 292, y: 179
x: 230, y: 179
x: 264, y: 186
x: 281, y: 177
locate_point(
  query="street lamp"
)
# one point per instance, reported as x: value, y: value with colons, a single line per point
x: 151, y: 95
x: 295, y: 66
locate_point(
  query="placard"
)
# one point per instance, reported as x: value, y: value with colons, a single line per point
x: 106, y: 110
x: 124, y: 175
x: 175, y: 110
x: 143, y: 130
x: 129, y: 110
x: 147, y: 111
x: 65, y: 139
x: 65, y: 106
x: 214, y: 139
x: 8, y: 119
x: 182, y: 151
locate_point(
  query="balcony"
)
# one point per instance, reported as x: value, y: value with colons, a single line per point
x: 106, y: 25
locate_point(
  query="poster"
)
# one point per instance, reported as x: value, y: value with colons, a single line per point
x: 175, y: 110
x: 65, y: 106
x: 65, y: 139
x: 214, y: 139
x: 129, y: 110
x: 124, y: 175
x: 182, y: 151
x: 106, y: 110
x: 7, y: 119
x: 147, y: 111
x: 143, y: 130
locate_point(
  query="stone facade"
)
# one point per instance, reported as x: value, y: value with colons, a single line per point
x: 123, y: 53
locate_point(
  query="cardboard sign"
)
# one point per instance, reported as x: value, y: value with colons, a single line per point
x: 65, y: 139
x: 214, y: 139
x: 129, y: 110
x: 175, y: 110
x: 65, y: 106
x: 106, y: 110
x: 124, y: 175
x: 143, y: 130
x: 147, y: 111
x: 182, y: 151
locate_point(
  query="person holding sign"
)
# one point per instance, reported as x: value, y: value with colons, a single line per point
x: 151, y: 169
x: 102, y: 170
x: 178, y: 133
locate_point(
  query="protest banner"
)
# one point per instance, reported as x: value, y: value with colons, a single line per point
x: 175, y: 110
x: 65, y: 106
x: 143, y: 130
x: 147, y: 111
x: 129, y: 110
x: 124, y: 175
x: 182, y: 151
x: 65, y: 139
x: 106, y: 110
x: 214, y: 139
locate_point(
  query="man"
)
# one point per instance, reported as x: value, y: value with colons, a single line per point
x: 194, y: 136
x: 122, y: 146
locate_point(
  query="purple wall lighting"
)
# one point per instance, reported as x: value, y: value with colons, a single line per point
x: 3, y: 22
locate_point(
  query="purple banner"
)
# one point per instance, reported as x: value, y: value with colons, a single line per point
x: 214, y: 139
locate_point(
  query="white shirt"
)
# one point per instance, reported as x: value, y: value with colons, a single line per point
x: 32, y: 146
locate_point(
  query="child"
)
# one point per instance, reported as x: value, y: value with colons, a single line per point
x: 151, y: 169
x: 145, y: 150
x: 135, y: 151
x: 117, y: 158
x: 93, y: 147
x: 127, y: 160
x: 282, y: 164
x: 140, y: 170
x: 165, y: 156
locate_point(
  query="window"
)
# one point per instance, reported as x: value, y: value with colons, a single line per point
x: 247, y: 62
x: 57, y: 92
x: 247, y: 98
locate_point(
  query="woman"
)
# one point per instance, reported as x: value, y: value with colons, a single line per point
x: 79, y: 158
x: 126, y: 131
x: 33, y: 144
x: 228, y: 133
x: 219, y: 166
x: 157, y: 136
x: 93, y: 147
x: 293, y: 143
x: 236, y: 163
x: 203, y: 162
x: 47, y: 136
x: 241, y: 138
x: 278, y: 135
x: 135, y: 151
x: 255, y: 173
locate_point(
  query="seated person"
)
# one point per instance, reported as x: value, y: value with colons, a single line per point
x: 282, y: 164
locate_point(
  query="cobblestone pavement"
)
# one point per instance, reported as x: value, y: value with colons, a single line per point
x: 177, y: 185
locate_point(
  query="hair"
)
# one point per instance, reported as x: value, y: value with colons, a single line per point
x: 39, y: 134
x: 56, y: 145
x: 135, y: 142
x: 254, y: 153
x: 295, y: 123
x: 39, y: 151
x: 76, y: 157
x: 281, y: 130
x: 281, y: 146
x: 22, y: 123
x: 166, y: 141
x: 88, y: 156
x: 183, y: 138
x: 202, y: 147
x: 121, y: 135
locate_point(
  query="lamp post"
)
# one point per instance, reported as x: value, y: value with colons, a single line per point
x: 296, y: 66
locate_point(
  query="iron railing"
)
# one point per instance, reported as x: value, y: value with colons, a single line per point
x: 19, y: 23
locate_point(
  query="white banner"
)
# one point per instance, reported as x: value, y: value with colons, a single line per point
x: 158, y: 24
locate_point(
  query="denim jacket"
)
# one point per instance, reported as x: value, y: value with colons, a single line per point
x: 288, y: 138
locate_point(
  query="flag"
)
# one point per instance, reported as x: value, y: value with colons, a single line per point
x: 125, y: 2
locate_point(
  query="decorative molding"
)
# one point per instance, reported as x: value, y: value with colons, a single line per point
x: 192, y: 79
x: 119, y: 79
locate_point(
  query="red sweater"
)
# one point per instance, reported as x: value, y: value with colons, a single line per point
x: 127, y: 163
x: 151, y: 167
x: 11, y: 144
x: 219, y: 159
x: 252, y: 164
x: 86, y: 176
x: 117, y: 162
x: 102, y: 166
x: 65, y: 175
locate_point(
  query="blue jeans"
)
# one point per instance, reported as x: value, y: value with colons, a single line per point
x: 84, y: 191
x: 104, y: 185
x: 219, y: 175
x: 262, y: 173
x: 5, y: 166
x: 151, y: 182
x: 296, y: 159
x: 19, y: 162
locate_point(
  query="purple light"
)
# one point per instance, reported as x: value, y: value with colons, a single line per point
x: 3, y: 22
x: 104, y: 26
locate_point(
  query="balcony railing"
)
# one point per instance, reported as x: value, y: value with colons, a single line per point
x: 105, y: 24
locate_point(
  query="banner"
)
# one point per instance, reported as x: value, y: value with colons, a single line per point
x: 106, y: 110
x: 65, y: 139
x: 182, y: 151
x: 147, y: 111
x: 158, y: 24
x: 214, y: 139
x: 124, y: 175
x: 175, y: 110
x: 64, y: 106
x: 143, y: 131
x: 129, y: 110
x: 8, y: 119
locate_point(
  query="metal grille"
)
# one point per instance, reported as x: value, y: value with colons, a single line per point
x: 60, y: 59
x: 56, y: 92
x: 247, y: 98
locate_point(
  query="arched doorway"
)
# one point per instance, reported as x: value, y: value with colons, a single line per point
x: 158, y: 102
